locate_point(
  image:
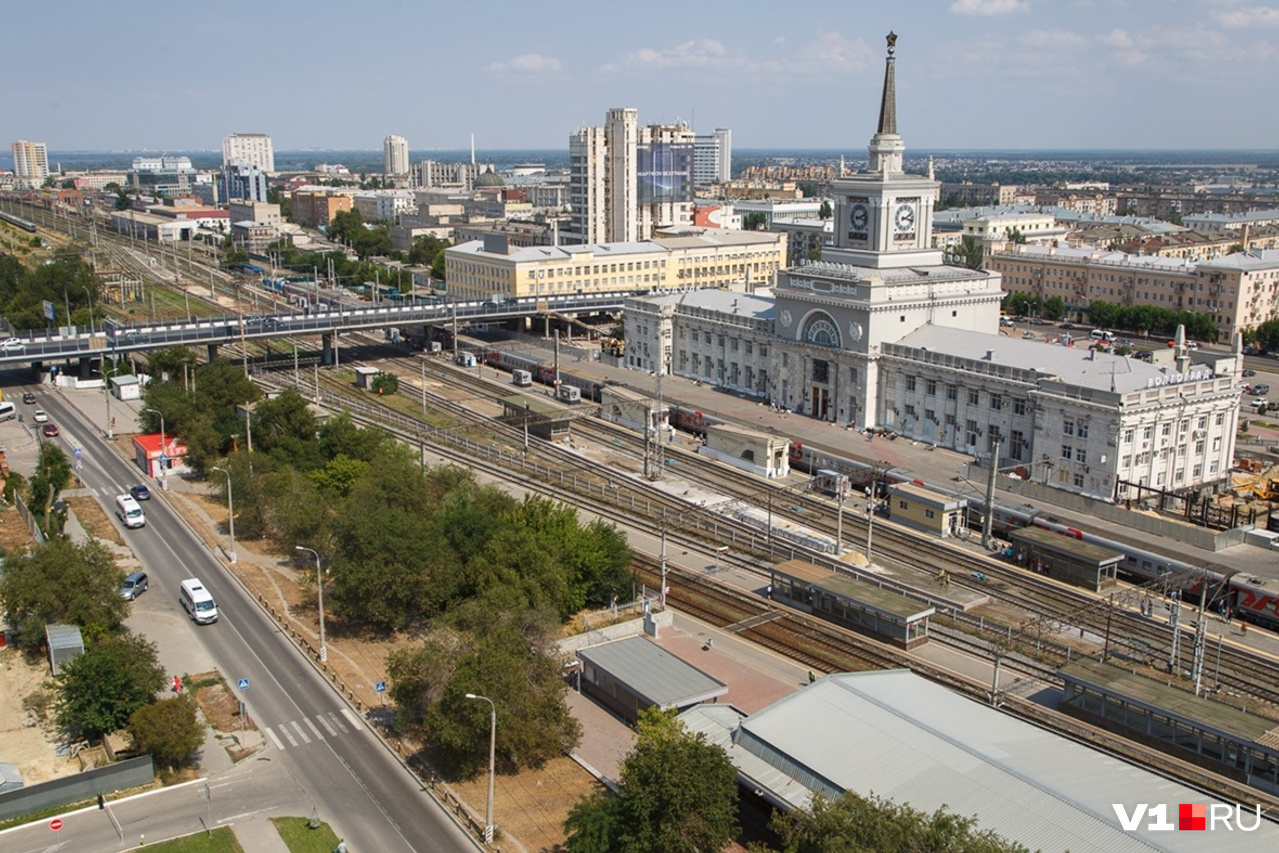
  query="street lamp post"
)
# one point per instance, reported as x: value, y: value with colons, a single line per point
x: 230, y: 510
x: 90, y: 296
x: 488, y: 812
x: 319, y: 585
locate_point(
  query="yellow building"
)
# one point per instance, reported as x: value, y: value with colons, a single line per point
x: 493, y: 268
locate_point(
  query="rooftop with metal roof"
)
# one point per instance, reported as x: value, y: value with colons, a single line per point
x: 896, y: 735
x: 1173, y: 700
x: 652, y: 673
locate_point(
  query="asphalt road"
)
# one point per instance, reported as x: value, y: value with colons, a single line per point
x: 326, y: 750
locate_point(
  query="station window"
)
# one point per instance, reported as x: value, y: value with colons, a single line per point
x: 972, y: 397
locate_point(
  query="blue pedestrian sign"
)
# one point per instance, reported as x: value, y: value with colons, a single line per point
x: 243, y: 684
x: 78, y: 453
x: 380, y: 687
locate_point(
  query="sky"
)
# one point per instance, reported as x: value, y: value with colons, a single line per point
x: 971, y: 74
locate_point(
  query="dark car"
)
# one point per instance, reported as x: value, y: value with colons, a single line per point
x: 134, y: 585
x: 140, y: 492
x: 50, y: 430
x: 1067, y: 326
x: 1039, y: 321
x: 29, y: 398
x: 1250, y: 372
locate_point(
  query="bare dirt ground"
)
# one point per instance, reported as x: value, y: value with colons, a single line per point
x: 27, y: 738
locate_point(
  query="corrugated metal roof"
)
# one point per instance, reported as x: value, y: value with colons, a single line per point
x: 653, y: 673
x: 901, y: 737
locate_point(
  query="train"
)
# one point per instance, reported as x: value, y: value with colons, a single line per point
x: 18, y: 221
x: 543, y: 372
x: 1250, y: 597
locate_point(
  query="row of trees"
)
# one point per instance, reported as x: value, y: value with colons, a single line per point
x: 486, y: 579
x: 65, y: 281
x: 1150, y: 319
x: 1029, y: 305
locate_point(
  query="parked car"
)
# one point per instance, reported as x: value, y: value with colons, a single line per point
x: 1039, y: 321
x: 1067, y: 326
x: 1143, y: 355
x: 1248, y: 372
x: 140, y: 492
x: 1007, y: 321
x: 50, y: 430
x: 1258, y: 402
x: 1261, y: 388
x: 134, y: 585
x: 29, y: 398
x: 1028, y: 335
x: 39, y: 416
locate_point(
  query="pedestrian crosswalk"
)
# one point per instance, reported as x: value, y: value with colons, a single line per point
x: 300, y: 732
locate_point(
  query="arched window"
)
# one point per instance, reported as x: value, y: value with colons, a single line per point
x: 821, y: 330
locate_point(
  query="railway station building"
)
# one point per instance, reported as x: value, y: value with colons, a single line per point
x: 881, y: 333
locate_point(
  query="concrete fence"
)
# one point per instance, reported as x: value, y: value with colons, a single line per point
x: 122, y: 775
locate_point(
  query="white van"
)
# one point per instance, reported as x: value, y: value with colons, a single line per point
x: 7, y: 410
x: 1099, y: 335
x: 197, y: 602
x: 129, y: 511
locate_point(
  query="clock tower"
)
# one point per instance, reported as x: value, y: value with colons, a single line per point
x: 883, y: 216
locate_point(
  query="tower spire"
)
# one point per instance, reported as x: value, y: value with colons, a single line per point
x: 888, y: 103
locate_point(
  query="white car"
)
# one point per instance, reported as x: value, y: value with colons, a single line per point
x: 40, y: 417
x: 1258, y: 402
x: 1028, y: 335
x: 12, y: 345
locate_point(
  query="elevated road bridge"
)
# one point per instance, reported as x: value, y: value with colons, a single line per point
x: 118, y: 339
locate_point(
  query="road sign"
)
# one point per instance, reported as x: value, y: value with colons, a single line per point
x: 55, y: 824
x: 380, y: 687
x: 243, y: 684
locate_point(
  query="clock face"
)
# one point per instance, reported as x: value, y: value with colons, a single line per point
x: 859, y: 217
x: 905, y: 218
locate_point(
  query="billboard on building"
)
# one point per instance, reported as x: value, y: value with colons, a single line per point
x: 664, y: 172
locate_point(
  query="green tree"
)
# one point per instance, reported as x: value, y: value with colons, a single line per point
x: 286, y: 427
x: 425, y: 248
x: 1054, y: 308
x: 100, y: 689
x: 677, y: 794
x: 501, y: 655
x: 52, y: 474
x: 62, y: 583
x: 1267, y: 335
x: 169, y: 730
x: 385, y: 383
x: 824, y: 212
x: 754, y: 221
x: 968, y: 252
x: 855, y: 824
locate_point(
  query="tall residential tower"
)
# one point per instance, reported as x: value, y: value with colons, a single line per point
x: 30, y: 162
x: 251, y: 148
x: 395, y: 153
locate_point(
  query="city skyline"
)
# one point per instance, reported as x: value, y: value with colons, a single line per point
x: 972, y: 74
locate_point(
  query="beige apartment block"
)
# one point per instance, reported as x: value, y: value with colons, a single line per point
x: 494, y: 268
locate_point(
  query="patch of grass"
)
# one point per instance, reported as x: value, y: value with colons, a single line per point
x: 301, y: 838
x: 221, y: 841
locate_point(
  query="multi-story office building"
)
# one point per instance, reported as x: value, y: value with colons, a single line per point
x: 494, y: 267
x: 241, y: 180
x: 30, y: 162
x: 260, y: 212
x: 713, y: 157
x: 252, y: 148
x: 627, y: 180
x: 384, y: 205
x: 395, y: 154
x: 882, y: 333
x: 162, y: 176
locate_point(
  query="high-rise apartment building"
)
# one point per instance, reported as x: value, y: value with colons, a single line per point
x: 395, y: 154
x: 244, y: 181
x: 627, y: 180
x: 30, y: 161
x: 252, y: 148
x: 713, y: 157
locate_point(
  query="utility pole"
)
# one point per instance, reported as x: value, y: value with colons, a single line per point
x: 663, y: 595
x: 987, y: 541
x: 1201, y: 637
x: 557, y: 363
x: 1174, y: 622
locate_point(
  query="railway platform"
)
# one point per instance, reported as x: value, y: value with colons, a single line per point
x: 936, y: 465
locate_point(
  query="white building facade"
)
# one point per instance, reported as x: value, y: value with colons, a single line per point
x: 252, y: 148
x: 30, y: 161
x: 395, y: 156
x: 881, y: 333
